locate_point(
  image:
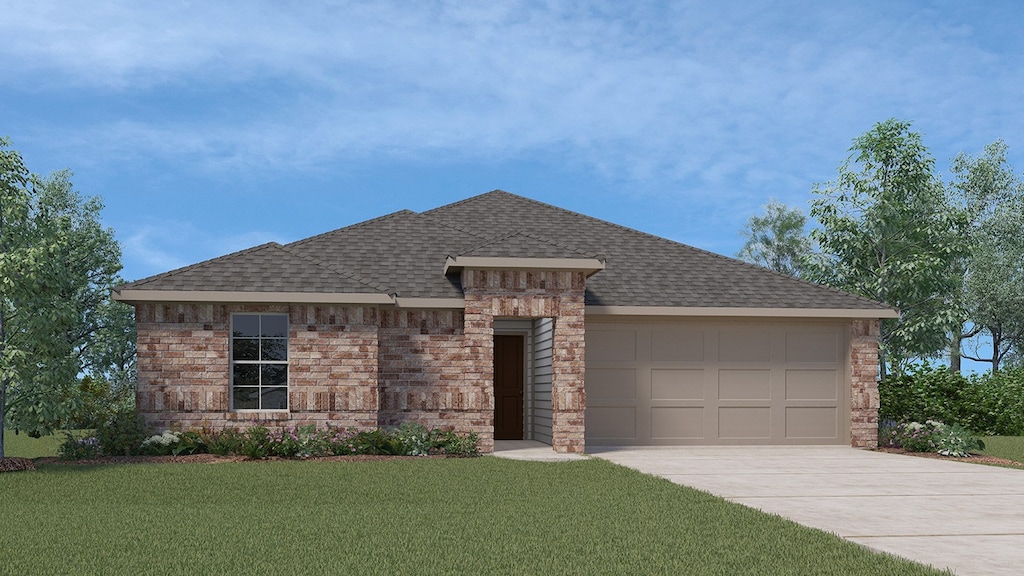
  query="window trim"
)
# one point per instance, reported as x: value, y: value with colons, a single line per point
x: 258, y: 362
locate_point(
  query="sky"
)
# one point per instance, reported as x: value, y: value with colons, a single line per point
x: 209, y: 127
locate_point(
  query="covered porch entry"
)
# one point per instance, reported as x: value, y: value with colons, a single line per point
x: 522, y: 379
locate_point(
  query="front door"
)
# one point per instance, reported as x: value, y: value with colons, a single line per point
x: 508, y: 387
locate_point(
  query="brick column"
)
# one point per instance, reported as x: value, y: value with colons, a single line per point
x: 568, y: 397
x: 478, y: 334
x: 864, y: 383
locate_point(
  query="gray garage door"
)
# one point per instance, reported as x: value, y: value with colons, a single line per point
x: 716, y: 382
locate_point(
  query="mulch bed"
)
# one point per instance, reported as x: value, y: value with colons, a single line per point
x: 15, y: 464
x: 974, y: 459
x: 11, y: 464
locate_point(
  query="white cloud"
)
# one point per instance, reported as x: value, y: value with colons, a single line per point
x: 704, y: 94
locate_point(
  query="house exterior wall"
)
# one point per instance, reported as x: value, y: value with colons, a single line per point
x: 184, y: 364
x: 491, y: 294
x: 864, y: 383
x: 540, y: 398
x: 422, y: 376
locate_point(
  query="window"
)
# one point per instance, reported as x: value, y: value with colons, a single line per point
x: 259, y: 362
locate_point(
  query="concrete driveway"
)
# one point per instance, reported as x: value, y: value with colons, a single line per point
x: 967, y: 517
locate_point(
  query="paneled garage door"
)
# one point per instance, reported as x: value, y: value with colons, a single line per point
x: 716, y: 382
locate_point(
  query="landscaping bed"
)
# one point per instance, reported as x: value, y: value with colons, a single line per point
x: 973, y: 459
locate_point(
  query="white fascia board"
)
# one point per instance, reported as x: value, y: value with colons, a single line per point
x: 737, y: 312
x: 589, y: 265
x: 435, y: 303
x: 250, y: 297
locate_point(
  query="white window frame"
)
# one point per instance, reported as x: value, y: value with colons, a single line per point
x: 258, y: 362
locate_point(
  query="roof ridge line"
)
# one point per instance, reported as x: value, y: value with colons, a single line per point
x: 662, y: 240
x: 547, y: 240
x: 333, y: 270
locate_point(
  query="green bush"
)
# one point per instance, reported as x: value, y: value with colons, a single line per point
x: 454, y: 444
x: 224, y: 442
x: 932, y: 436
x: 122, y: 433
x: 990, y: 404
x: 77, y: 448
x: 125, y: 434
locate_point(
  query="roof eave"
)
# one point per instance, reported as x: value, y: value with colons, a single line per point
x: 847, y: 313
x: 244, y: 297
x: 590, y: 266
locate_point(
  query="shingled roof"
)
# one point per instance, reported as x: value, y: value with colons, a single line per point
x: 404, y: 254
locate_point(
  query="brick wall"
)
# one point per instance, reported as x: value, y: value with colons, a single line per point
x: 492, y: 294
x: 424, y: 364
x: 864, y: 383
x: 183, y: 365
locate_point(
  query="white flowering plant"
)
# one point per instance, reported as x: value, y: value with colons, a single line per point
x: 934, y: 436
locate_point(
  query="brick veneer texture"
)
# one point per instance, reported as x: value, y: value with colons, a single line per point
x: 183, y: 366
x: 864, y: 383
x: 491, y: 294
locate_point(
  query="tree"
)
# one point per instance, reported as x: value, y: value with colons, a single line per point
x: 886, y: 233
x: 776, y: 240
x: 991, y: 195
x: 57, y: 265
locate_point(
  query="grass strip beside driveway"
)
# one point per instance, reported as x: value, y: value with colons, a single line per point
x: 456, y: 516
x: 1009, y: 447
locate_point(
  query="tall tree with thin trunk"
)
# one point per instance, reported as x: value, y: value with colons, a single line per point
x: 991, y: 194
x: 57, y: 263
x: 776, y: 240
x: 887, y: 234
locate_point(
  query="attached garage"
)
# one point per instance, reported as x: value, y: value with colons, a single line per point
x: 717, y: 381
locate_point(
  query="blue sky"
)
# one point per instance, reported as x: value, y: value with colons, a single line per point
x: 208, y: 127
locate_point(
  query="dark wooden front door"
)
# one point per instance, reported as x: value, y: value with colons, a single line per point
x: 508, y: 387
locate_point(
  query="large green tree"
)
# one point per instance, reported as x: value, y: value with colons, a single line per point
x: 57, y: 265
x: 776, y: 240
x: 886, y: 233
x: 988, y: 191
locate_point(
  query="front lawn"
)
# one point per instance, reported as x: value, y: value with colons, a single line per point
x: 430, y: 516
x: 24, y: 446
x: 1009, y: 447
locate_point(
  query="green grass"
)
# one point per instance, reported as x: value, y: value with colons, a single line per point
x: 23, y: 446
x: 430, y: 516
x: 1009, y: 447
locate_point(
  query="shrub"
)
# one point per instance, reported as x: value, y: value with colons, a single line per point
x: 887, y: 433
x: 256, y: 442
x: 955, y: 440
x: 122, y: 433
x: 76, y: 448
x: 454, y: 444
x: 224, y: 442
x: 161, y: 444
x: 932, y: 436
x: 412, y: 439
x: 915, y: 437
x: 991, y: 404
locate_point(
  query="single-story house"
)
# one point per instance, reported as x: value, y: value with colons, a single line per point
x: 514, y: 319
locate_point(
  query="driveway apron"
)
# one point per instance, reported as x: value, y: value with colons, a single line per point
x: 957, y: 515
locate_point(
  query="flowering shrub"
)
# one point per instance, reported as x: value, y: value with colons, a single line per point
x: 75, y: 448
x: 308, y: 441
x: 161, y: 444
x: 932, y: 436
x: 955, y: 440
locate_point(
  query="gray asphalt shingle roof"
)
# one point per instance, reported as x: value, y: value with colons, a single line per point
x: 268, y: 267
x: 404, y: 253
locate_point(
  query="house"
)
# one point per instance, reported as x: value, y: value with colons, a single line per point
x: 512, y: 318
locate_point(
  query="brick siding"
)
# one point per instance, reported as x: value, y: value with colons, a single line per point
x: 494, y: 294
x: 184, y: 366
x: 864, y: 383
